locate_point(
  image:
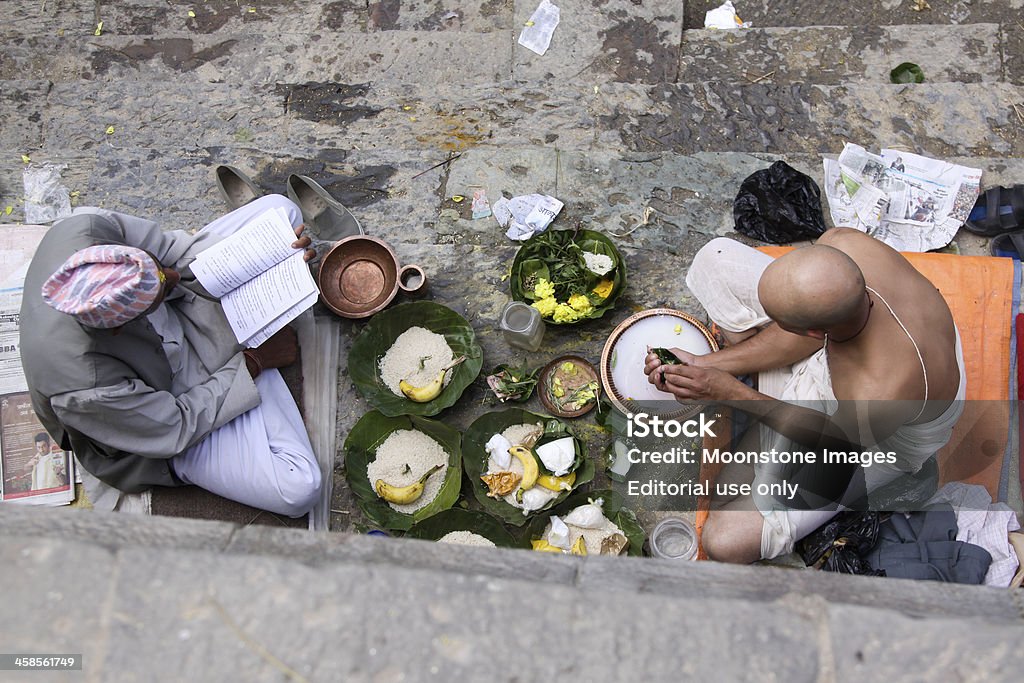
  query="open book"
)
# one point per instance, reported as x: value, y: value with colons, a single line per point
x: 262, y: 282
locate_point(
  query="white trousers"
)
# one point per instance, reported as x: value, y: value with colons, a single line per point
x: 263, y: 457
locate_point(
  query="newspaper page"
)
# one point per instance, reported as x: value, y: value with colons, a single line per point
x: 33, y: 469
x: 908, y: 201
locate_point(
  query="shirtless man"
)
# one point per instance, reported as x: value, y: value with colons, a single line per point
x: 847, y: 319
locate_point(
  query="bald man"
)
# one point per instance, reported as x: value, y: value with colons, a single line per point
x: 853, y: 350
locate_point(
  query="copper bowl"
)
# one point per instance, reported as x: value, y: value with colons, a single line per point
x: 359, y: 276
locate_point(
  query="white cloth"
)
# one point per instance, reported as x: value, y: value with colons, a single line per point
x: 263, y: 457
x: 984, y: 523
x: 724, y: 277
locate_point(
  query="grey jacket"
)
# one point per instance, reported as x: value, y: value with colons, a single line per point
x: 109, y: 397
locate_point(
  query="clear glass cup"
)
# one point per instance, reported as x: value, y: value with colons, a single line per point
x: 674, y: 538
x: 522, y: 326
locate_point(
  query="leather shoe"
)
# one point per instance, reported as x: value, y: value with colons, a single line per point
x: 235, y: 187
x: 323, y: 215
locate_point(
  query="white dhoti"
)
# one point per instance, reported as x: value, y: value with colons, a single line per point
x: 262, y: 458
x: 724, y: 276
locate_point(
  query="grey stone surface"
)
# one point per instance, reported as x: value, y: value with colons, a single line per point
x: 612, y: 40
x: 111, y: 531
x: 866, y: 13
x: 833, y: 55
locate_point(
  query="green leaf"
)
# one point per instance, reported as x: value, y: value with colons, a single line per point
x: 475, y: 460
x: 361, y: 448
x: 561, y: 252
x: 614, y: 509
x: 907, y: 72
x: 531, y: 271
x: 455, y: 519
x: 380, y: 334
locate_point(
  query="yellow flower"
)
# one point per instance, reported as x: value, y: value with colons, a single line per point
x: 546, y: 306
x: 565, y: 314
x: 580, y: 303
x: 543, y: 289
x: 604, y: 288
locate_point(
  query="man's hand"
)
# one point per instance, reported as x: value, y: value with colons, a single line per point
x: 695, y: 383
x: 279, y: 351
x: 302, y: 243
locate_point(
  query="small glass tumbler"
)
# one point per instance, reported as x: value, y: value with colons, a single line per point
x: 522, y: 326
x: 674, y: 538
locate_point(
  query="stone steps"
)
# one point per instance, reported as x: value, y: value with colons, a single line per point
x: 943, y: 120
x: 826, y: 55
x: 185, y: 600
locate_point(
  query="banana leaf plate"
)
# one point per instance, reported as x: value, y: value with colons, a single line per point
x: 361, y: 449
x: 614, y: 509
x: 558, y: 257
x: 475, y: 459
x: 455, y: 519
x: 380, y: 334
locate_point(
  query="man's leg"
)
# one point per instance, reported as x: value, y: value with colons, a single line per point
x: 230, y: 222
x: 262, y: 458
x: 724, y: 276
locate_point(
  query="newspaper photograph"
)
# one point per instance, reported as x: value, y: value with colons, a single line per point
x: 33, y: 469
x: 908, y: 201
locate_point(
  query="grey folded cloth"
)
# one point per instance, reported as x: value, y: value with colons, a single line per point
x: 923, y: 545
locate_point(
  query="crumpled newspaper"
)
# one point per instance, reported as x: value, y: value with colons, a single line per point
x: 46, y: 200
x: 526, y: 215
x: 724, y: 17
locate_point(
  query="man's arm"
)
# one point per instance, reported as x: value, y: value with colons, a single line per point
x: 135, y: 418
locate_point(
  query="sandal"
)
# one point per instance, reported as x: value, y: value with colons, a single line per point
x: 999, y: 210
x: 1008, y: 245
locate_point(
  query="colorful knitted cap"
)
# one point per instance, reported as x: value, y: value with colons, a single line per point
x: 105, y: 286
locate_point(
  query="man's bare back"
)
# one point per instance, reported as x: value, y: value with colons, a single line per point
x: 881, y: 363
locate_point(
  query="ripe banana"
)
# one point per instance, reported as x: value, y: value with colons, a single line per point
x: 403, y: 495
x: 529, y: 462
x: 579, y: 547
x: 543, y: 546
x: 429, y: 391
x: 553, y: 483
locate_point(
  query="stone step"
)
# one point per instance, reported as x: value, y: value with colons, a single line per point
x: 763, y: 13
x: 688, y: 195
x: 834, y: 55
x: 617, y: 40
x: 198, y: 615
x: 710, y: 580
x: 826, y: 55
x: 939, y: 120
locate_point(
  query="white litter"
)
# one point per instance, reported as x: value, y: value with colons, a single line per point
x: 497, y: 447
x: 557, y: 455
x: 526, y: 215
x: 589, y: 516
x: 724, y: 17
x: 536, y: 36
x: 558, y: 536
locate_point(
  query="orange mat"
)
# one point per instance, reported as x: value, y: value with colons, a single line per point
x: 980, y: 293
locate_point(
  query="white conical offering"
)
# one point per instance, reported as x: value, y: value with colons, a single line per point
x: 534, y: 499
x: 557, y: 455
x: 589, y: 516
x: 558, y: 536
x: 497, y: 447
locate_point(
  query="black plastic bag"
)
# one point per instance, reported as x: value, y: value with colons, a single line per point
x: 779, y: 204
x: 840, y: 544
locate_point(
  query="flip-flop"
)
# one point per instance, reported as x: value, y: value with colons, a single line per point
x: 1008, y: 245
x: 998, y: 210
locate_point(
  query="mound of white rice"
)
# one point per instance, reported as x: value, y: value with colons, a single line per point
x: 408, y: 449
x: 415, y: 347
x: 466, y: 538
x: 515, y: 434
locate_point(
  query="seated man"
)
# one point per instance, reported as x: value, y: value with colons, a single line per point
x: 131, y: 365
x: 847, y: 327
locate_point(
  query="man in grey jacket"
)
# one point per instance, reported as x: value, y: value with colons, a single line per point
x: 168, y: 397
